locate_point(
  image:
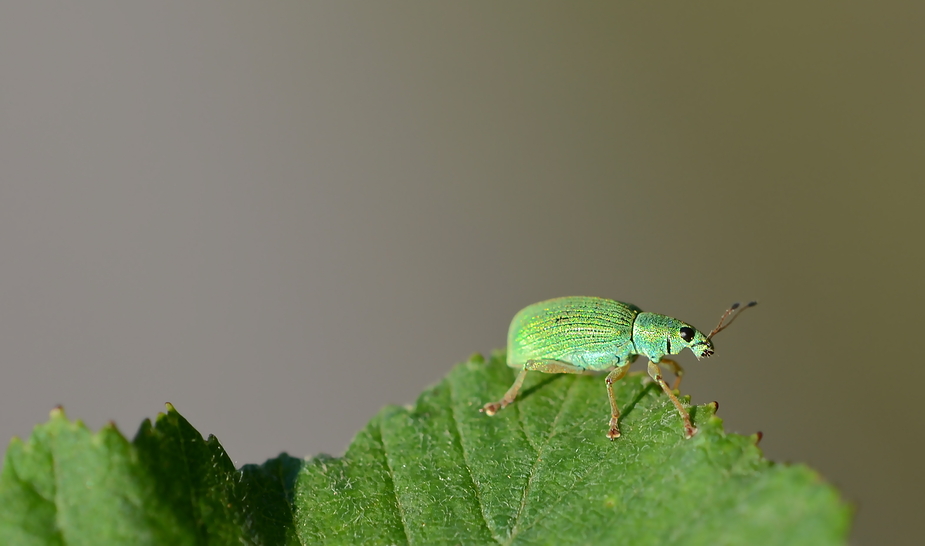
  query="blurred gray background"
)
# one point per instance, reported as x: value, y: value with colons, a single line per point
x: 281, y: 216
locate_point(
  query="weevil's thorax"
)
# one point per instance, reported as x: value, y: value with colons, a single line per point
x: 656, y: 335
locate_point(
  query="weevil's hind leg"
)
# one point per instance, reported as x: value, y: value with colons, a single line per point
x: 492, y: 408
x: 689, y: 429
x: 615, y: 375
x: 675, y: 368
x: 545, y: 366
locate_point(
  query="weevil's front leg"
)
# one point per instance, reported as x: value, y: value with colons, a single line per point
x: 615, y: 375
x: 545, y: 366
x: 675, y: 368
x: 689, y: 429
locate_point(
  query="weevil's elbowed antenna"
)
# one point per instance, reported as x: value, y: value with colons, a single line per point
x: 730, y: 312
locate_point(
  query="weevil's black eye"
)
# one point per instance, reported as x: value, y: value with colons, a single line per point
x: 687, y: 334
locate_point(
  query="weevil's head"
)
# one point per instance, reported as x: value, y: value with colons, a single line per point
x: 657, y: 335
x: 701, y: 345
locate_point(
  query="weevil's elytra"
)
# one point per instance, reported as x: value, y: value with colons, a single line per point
x: 580, y: 333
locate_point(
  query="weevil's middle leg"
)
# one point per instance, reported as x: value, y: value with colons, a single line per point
x: 545, y: 366
x: 615, y: 375
x: 675, y: 368
x: 689, y: 429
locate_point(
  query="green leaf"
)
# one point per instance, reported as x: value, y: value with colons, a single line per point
x: 539, y: 472
x: 542, y: 472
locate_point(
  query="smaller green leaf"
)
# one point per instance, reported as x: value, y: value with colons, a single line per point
x: 66, y: 485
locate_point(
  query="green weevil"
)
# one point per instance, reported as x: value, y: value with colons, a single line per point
x: 579, y: 334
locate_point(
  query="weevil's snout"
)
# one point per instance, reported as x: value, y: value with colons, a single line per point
x: 702, y: 347
x: 693, y: 339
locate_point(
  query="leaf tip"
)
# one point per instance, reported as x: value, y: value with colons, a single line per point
x: 57, y: 413
x: 170, y: 408
x: 499, y: 355
x: 756, y: 437
x: 476, y: 358
x: 145, y: 429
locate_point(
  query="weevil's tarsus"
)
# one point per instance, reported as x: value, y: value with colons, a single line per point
x: 731, y: 311
x: 654, y: 372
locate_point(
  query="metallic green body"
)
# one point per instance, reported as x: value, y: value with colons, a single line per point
x: 597, y: 334
x: 579, y: 333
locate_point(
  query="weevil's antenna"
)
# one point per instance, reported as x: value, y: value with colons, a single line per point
x: 731, y: 311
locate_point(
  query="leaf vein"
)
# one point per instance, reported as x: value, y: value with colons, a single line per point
x: 539, y: 456
x: 666, y: 457
x: 462, y: 449
x: 401, y: 511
